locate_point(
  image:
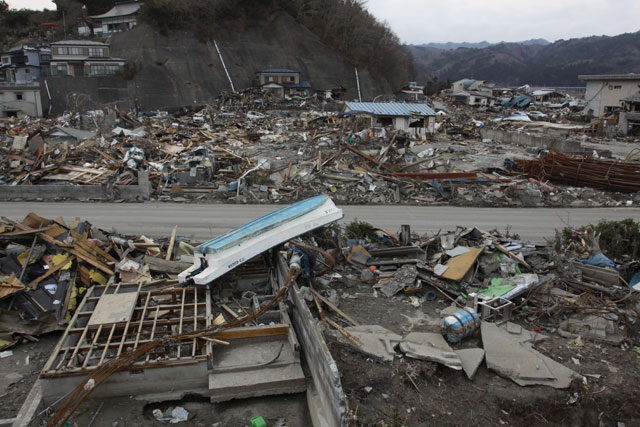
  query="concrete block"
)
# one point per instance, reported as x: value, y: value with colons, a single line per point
x: 255, y: 367
x: 431, y: 347
x: 563, y: 145
x: 520, y: 362
x: 471, y: 359
x: 376, y: 341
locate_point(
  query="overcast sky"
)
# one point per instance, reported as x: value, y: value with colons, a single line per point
x: 424, y: 21
x: 31, y: 4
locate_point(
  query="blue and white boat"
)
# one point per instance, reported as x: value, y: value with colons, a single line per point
x: 224, y: 253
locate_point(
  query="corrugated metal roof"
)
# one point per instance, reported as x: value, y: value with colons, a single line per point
x: 278, y: 70
x: 120, y: 9
x: 608, y: 77
x: 391, y: 108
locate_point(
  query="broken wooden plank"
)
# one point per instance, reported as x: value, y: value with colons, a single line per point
x: 257, y: 331
x: 114, y: 308
x: 334, y: 308
x: 171, y: 243
x: 51, y: 271
x: 460, y: 265
x: 512, y: 255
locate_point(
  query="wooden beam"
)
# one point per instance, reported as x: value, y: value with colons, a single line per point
x: 25, y: 232
x: 51, y: 271
x: 258, y: 331
x: 171, y: 243
x: 334, y: 308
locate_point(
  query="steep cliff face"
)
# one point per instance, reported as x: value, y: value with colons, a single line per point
x: 178, y: 69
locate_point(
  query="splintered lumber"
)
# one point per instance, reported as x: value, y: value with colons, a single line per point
x: 12, y: 286
x: 344, y: 332
x: 334, y: 308
x: 87, y: 258
x: 82, y: 250
x: 511, y: 255
x: 51, y: 271
x: 25, y: 232
x: 257, y: 331
x: 171, y: 243
x: 366, y: 157
x: 91, y: 247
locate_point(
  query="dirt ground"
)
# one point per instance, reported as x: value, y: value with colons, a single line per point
x: 411, y: 392
x: 290, y: 409
x: 27, y: 361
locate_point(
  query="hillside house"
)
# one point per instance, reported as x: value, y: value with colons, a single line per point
x: 24, y: 65
x: 605, y: 93
x: 83, y: 58
x: 284, y: 82
x: 417, y: 120
x: 121, y: 17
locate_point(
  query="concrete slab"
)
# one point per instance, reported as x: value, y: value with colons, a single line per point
x: 376, y: 341
x: 522, y: 335
x: 471, y: 359
x: 431, y: 347
x: 520, y: 362
x: 591, y: 327
x: 255, y: 367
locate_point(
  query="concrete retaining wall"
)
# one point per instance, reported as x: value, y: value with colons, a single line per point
x: 142, y: 191
x: 563, y: 145
x: 87, y: 93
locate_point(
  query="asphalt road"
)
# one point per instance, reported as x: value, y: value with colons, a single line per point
x: 206, y: 221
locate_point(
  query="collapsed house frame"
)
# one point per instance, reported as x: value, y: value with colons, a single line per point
x: 258, y: 359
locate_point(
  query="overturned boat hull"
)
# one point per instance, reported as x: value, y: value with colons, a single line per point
x: 222, y: 254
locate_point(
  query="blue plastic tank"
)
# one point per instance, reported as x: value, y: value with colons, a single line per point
x: 459, y: 325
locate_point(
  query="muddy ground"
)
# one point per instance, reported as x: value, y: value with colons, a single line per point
x: 437, y: 395
x: 406, y: 392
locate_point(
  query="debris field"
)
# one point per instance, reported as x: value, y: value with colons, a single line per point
x: 462, y: 326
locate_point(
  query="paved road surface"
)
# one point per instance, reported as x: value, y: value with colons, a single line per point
x: 206, y: 221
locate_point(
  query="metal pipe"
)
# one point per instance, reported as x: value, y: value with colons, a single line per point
x: 224, y: 66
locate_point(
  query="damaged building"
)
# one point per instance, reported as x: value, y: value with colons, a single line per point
x: 416, y: 119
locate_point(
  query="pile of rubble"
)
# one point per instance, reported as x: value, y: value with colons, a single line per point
x: 229, y: 152
x: 480, y: 296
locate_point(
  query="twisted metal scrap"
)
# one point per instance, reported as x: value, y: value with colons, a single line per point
x: 91, y: 382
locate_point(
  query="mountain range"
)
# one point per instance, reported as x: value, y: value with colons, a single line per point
x: 481, y: 45
x: 514, y: 64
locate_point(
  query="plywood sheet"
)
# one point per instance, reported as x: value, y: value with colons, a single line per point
x: 114, y: 308
x: 460, y: 265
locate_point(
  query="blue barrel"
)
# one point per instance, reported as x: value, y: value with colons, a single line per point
x: 459, y: 325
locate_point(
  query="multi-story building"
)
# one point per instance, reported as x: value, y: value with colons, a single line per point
x: 605, y: 93
x: 24, y: 64
x: 284, y: 81
x: 20, y: 72
x: 83, y: 58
